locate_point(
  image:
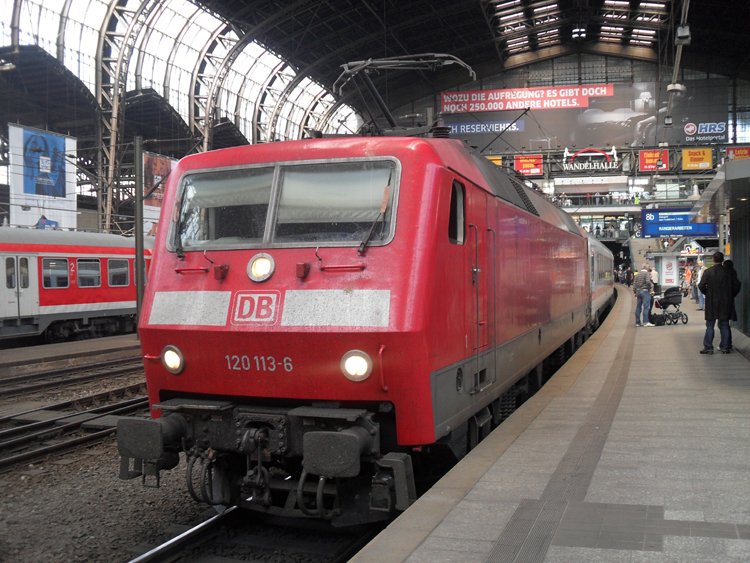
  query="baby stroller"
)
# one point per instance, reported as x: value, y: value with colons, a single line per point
x: 672, y: 298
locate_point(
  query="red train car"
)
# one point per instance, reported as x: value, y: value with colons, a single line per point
x: 323, y: 314
x: 63, y: 284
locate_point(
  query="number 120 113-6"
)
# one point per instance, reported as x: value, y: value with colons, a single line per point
x: 237, y: 362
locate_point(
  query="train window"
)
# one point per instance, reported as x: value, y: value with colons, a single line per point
x: 227, y: 206
x: 347, y: 202
x: 456, y: 226
x: 342, y: 202
x: 119, y: 272
x: 54, y: 272
x: 10, y: 273
x: 89, y: 272
x: 240, y: 221
x: 23, y: 272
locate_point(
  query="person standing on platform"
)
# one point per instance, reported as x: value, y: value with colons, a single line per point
x: 699, y: 277
x: 688, y: 280
x: 642, y: 286
x: 720, y: 289
x: 729, y: 266
x: 629, y: 276
x: 654, y: 278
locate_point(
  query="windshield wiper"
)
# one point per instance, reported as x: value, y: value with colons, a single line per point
x: 178, y: 243
x: 378, y: 219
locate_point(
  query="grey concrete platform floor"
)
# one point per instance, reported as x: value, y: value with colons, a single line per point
x: 11, y: 357
x: 638, y: 449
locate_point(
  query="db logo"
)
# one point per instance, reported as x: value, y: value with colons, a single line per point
x: 650, y: 216
x: 690, y: 128
x: 254, y: 307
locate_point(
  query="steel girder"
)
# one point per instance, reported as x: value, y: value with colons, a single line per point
x: 117, y: 37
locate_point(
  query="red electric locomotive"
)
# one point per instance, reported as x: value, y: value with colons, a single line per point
x: 322, y: 313
x: 63, y: 284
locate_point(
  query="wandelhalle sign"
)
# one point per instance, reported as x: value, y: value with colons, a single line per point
x: 622, y: 115
x: 590, y: 160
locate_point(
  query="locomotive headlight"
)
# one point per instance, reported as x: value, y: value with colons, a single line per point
x: 260, y: 267
x: 172, y: 359
x: 356, y: 365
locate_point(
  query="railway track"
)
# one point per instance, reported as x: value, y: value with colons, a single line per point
x: 235, y: 535
x: 12, y: 386
x: 38, y: 432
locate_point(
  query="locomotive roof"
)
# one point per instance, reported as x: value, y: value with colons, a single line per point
x: 17, y: 235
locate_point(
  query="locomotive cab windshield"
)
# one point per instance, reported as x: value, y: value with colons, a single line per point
x: 310, y: 204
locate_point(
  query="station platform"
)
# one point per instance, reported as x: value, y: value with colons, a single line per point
x: 11, y: 358
x: 638, y: 449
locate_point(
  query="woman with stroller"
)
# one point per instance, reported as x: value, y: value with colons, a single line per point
x: 642, y: 286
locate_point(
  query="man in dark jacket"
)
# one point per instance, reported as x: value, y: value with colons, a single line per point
x: 720, y: 289
x: 729, y: 267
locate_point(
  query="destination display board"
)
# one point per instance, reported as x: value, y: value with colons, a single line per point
x: 673, y: 222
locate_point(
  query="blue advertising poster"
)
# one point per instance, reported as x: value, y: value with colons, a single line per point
x: 673, y: 222
x: 43, y: 163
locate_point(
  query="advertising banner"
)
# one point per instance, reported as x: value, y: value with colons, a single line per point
x: 648, y: 161
x: 156, y: 169
x: 469, y: 101
x: 42, y: 178
x: 529, y: 164
x: 673, y: 222
x: 697, y: 159
x: 738, y: 153
x: 670, y: 272
x: 622, y: 115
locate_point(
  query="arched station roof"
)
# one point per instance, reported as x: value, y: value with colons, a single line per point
x: 171, y: 71
x: 491, y: 36
x: 191, y: 75
x: 200, y: 63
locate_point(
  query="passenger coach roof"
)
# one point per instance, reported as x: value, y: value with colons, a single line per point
x: 13, y: 235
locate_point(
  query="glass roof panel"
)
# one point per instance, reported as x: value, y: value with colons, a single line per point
x: 91, y: 11
x: 81, y: 35
x: 544, y: 9
x: 29, y: 32
x: 169, y: 52
x: 655, y: 6
x: 343, y: 121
